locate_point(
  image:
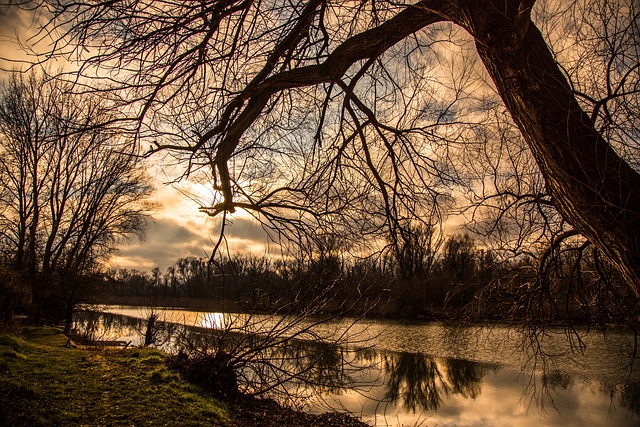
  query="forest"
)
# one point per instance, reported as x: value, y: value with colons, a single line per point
x: 453, y: 279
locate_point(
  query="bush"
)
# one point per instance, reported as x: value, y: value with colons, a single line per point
x: 212, y: 372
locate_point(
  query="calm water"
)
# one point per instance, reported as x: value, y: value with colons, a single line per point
x: 428, y: 374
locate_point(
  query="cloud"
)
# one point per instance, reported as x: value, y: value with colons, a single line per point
x: 174, y: 230
x: 180, y: 230
x: 11, y: 16
x: 184, y: 233
x: 166, y: 241
x: 246, y: 229
x: 16, y: 26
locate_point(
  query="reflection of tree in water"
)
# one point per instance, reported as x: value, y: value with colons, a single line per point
x: 630, y: 396
x: 421, y: 381
x: 315, y: 364
x: 464, y: 377
x: 94, y: 325
x: 415, y: 379
x: 556, y: 379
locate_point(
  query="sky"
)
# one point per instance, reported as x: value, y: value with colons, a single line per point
x: 178, y: 229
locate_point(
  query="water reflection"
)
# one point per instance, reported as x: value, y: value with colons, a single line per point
x: 630, y: 396
x: 405, y: 388
x: 213, y: 321
x: 416, y: 380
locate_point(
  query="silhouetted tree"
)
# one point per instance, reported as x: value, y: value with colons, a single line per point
x: 221, y: 77
x: 71, y: 191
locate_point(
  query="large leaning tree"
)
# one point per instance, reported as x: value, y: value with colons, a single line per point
x: 351, y: 115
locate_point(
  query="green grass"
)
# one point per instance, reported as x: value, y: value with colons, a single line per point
x: 43, y: 383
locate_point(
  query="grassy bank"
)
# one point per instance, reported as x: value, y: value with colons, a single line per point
x: 44, y: 383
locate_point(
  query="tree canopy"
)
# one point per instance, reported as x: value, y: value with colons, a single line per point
x: 360, y: 117
x: 70, y: 191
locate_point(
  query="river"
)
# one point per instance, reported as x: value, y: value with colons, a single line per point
x: 394, y: 373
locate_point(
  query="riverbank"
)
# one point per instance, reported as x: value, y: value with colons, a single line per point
x: 438, y: 314
x: 44, y: 382
x: 218, y: 305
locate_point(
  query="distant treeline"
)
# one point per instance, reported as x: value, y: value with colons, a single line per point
x: 459, y: 280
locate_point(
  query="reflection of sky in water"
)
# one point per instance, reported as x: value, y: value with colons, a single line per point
x: 492, y: 390
x: 501, y: 403
x: 213, y: 320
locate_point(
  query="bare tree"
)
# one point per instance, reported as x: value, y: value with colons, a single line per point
x: 349, y: 115
x: 285, y: 356
x: 595, y: 46
x: 72, y: 192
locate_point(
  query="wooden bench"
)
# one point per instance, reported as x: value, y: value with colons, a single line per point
x: 71, y: 342
x: 106, y: 343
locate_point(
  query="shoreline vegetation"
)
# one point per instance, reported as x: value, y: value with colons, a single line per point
x: 45, y: 382
x: 461, y: 281
x: 441, y: 314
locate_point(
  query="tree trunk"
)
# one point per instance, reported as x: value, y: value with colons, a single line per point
x: 68, y: 316
x: 593, y: 188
